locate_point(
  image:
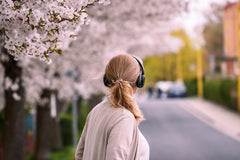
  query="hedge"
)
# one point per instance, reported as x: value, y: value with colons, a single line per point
x: 221, y: 91
x: 66, y: 123
x: 191, y: 85
x: 66, y: 129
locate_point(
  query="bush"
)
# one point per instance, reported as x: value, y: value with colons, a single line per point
x: 220, y: 91
x: 66, y: 129
x: 66, y: 123
x: 82, y: 118
x: 212, y: 90
x: 191, y: 85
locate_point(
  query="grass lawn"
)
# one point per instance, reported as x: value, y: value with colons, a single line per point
x: 66, y: 153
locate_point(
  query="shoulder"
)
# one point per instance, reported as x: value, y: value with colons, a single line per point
x: 123, y: 113
x: 106, y: 107
x: 122, y: 116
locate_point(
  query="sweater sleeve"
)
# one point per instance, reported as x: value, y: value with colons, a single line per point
x: 120, y: 139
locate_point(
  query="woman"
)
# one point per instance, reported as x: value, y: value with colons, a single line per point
x: 111, y: 130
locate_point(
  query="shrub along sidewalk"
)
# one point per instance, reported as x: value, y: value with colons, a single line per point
x: 220, y: 91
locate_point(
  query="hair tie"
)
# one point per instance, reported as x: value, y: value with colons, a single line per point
x: 119, y: 79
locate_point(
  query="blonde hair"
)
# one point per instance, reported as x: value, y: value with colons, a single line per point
x: 122, y: 72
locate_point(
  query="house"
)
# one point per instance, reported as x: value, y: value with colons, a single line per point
x: 231, y: 23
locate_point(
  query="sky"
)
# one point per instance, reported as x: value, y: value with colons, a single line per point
x: 195, y: 18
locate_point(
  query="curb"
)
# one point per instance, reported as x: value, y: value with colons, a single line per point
x: 217, y: 116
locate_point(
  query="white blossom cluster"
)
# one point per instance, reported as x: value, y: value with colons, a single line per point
x: 9, y: 84
x: 138, y: 27
x: 124, y: 25
x: 38, y: 28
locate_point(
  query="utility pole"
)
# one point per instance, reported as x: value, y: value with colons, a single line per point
x: 179, y: 66
x: 75, y: 118
x: 237, y: 50
x: 199, y: 73
x: 199, y: 63
x: 169, y: 63
x: 76, y: 77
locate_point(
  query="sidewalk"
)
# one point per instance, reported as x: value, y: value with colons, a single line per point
x: 217, y: 116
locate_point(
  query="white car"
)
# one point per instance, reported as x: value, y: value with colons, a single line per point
x: 164, y: 85
x: 162, y: 88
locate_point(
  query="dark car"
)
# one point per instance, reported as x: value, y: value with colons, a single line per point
x: 177, y: 90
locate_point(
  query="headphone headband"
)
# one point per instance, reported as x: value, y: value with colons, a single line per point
x: 140, y: 64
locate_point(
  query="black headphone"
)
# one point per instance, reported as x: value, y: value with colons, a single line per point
x: 140, y: 80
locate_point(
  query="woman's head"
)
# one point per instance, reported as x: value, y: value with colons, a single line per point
x: 121, y: 75
x: 122, y: 67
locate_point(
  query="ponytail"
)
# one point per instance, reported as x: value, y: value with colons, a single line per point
x: 121, y: 95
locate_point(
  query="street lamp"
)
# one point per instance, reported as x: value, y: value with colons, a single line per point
x: 179, y: 66
x: 199, y: 62
x: 76, y: 78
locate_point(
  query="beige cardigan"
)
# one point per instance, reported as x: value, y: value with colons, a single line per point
x: 110, y: 134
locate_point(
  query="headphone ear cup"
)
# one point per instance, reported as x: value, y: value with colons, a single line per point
x: 140, y: 81
x: 143, y: 80
x: 105, y: 81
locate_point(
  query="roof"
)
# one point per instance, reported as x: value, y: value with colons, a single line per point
x: 229, y: 5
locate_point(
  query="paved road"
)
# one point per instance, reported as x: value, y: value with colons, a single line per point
x: 175, y: 134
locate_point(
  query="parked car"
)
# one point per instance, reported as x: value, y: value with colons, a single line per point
x: 164, y: 85
x: 177, y: 89
x: 162, y: 88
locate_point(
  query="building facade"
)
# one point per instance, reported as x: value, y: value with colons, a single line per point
x: 231, y: 23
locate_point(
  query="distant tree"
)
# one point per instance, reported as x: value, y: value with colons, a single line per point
x: 213, y: 32
x: 36, y: 29
x: 213, y: 36
x: 188, y: 55
x: 160, y: 68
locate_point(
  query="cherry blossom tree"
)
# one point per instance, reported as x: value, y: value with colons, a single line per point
x: 14, y: 127
x: 32, y: 29
x: 43, y: 80
x: 39, y: 28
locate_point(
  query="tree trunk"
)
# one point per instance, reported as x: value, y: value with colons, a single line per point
x: 14, y: 131
x: 56, y: 136
x: 43, y: 133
